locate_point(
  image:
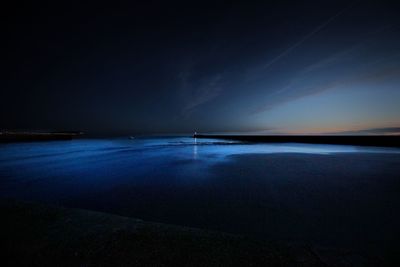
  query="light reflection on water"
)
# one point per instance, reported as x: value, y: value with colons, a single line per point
x: 176, y: 146
x: 101, y: 163
x: 195, y: 149
x: 70, y: 156
x: 195, y: 182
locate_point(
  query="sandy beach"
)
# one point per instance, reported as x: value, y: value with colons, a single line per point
x: 42, y: 235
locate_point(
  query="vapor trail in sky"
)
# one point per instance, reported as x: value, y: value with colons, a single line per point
x: 307, y: 36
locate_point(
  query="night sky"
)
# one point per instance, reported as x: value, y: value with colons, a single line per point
x: 169, y: 67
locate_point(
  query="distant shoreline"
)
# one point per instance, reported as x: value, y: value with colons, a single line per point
x: 11, y: 137
x: 358, y: 140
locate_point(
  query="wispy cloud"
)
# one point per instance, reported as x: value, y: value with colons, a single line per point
x: 306, y: 37
x: 373, y: 131
x: 199, y: 92
x: 332, y: 72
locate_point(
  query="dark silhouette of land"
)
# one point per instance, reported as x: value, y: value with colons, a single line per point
x: 10, y: 137
x: 358, y: 140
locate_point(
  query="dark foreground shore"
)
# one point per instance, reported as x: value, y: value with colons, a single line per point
x: 357, y: 140
x: 38, y: 235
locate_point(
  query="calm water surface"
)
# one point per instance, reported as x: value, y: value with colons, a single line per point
x: 322, y: 193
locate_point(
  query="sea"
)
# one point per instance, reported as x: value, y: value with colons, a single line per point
x: 323, y: 195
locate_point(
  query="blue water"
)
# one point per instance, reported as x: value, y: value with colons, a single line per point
x: 321, y: 193
x: 58, y: 170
